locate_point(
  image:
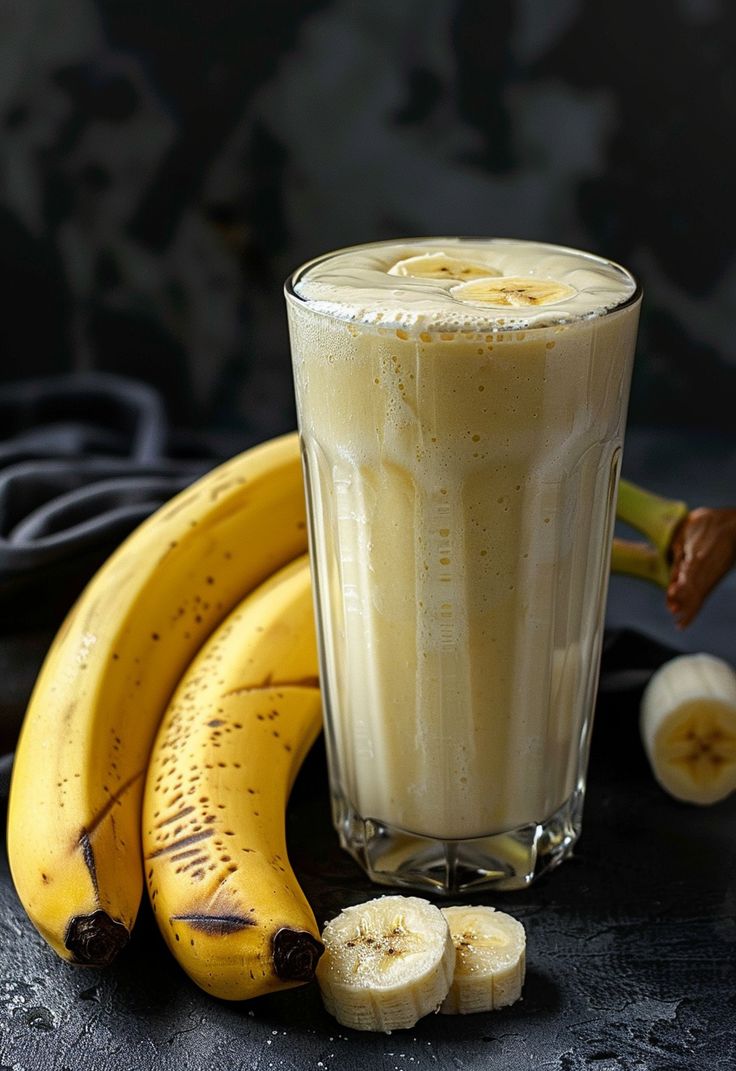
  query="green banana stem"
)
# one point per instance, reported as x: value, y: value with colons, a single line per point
x: 658, y: 519
x: 641, y: 560
x: 655, y: 517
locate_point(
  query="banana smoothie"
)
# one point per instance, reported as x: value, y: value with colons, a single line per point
x: 461, y: 405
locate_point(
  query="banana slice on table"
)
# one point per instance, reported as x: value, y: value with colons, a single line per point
x: 386, y: 963
x: 688, y: 726
x: 490, y: 959
x: 512, y: 291
x: 441, y: 266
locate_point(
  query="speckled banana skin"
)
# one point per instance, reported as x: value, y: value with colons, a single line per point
x: 75, y: 799
x: 231, y: 742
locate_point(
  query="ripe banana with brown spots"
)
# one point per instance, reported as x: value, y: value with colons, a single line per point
x: 76, y: 792
x: 231, y: 742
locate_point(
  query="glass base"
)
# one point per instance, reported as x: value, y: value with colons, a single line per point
x: 509, y: 860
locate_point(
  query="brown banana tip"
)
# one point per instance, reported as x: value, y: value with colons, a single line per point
x: 295, y: 954
x: 95, y: 940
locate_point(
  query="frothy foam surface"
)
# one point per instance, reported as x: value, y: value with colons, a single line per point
x: 357, y: 285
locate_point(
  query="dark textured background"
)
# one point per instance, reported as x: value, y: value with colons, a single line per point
x: 164, y: 165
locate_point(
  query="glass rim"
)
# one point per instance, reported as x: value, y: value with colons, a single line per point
x: 294, y: 277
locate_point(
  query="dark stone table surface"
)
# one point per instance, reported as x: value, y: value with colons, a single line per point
x: 631, y: 943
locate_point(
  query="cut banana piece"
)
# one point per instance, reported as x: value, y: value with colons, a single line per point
x: 490, y: 960
x: 688, y: 726
x: 441, y: 266
x: 386, y: 963
x: 512, y: 291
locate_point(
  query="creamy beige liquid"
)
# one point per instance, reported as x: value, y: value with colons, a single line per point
x: 462, y: 460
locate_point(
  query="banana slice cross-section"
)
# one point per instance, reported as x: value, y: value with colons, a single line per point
x: 387, y: 963
x: 512, y: 291
x: 688, y: 727
x: 441, y: 266
x: 490, y: 959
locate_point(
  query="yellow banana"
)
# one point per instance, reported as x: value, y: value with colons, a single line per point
x: 75, y: 799
x: 232, y: 740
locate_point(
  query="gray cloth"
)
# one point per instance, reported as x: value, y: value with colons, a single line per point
x: 84, y: 459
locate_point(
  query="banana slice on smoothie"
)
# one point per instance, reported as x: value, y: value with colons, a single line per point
x: 490, y: 960
x: 441, y: 266
x: 688, y: 726
x: 386, y: 963
x: 513, y: 291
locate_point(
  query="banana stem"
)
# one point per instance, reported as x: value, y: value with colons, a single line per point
x: 641, y: 560
x: 655, y: 517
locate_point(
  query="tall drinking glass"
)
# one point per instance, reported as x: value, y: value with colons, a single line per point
x: 461, y: 406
